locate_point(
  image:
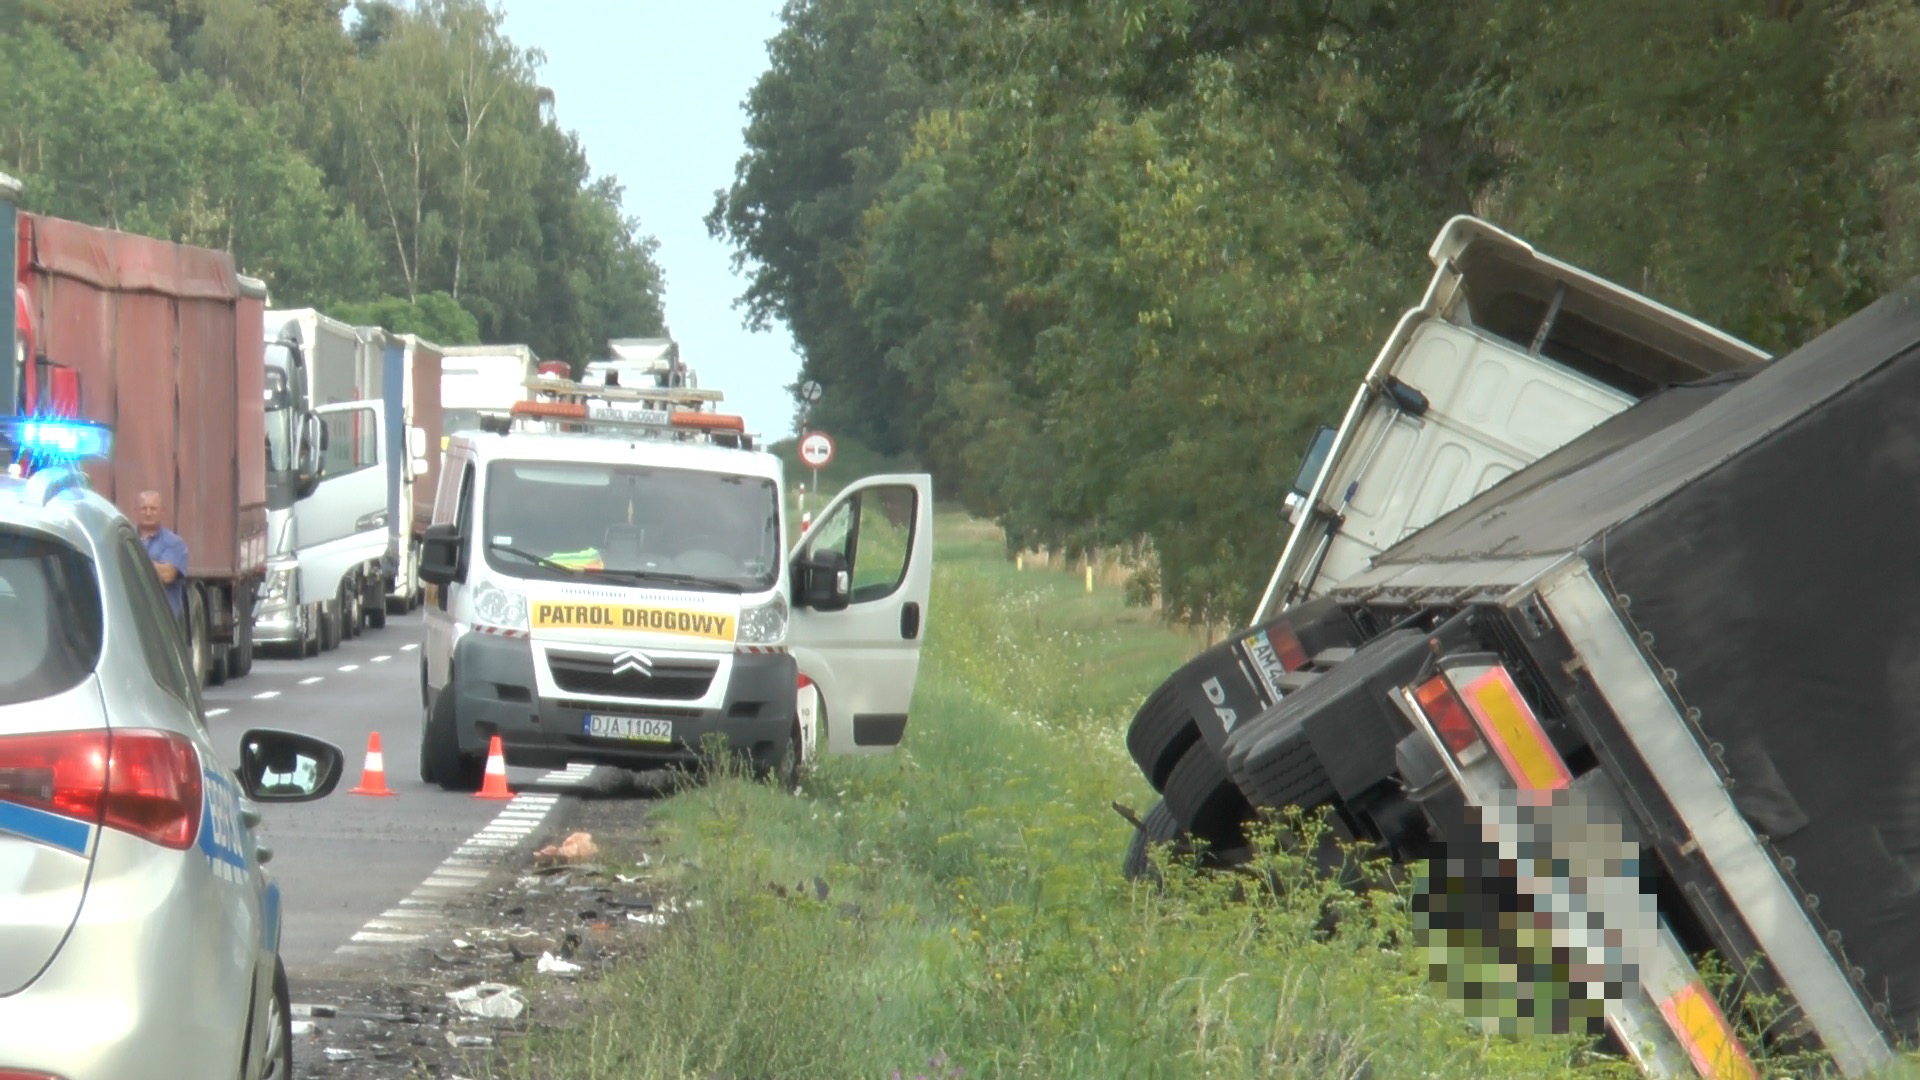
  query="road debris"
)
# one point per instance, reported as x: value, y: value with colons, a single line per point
x: 496, y: 1000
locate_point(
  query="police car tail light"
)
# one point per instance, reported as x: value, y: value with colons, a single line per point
x: 153, y: 787
x: 142, y: 782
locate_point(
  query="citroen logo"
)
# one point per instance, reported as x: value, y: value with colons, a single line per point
x: 633, y: 660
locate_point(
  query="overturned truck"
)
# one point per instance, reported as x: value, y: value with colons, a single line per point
x: 1689, y: 621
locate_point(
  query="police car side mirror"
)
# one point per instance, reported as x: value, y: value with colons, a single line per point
x: 440, y: 554
x: 821, y: 580
x: 287, y: 766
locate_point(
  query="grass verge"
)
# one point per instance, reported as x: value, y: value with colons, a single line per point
x: 957, y: 907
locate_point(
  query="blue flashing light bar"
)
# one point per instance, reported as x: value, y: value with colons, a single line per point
x: 48, y: 440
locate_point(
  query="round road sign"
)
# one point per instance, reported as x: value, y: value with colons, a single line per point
x: 816, y: 450
x: 809, y: 391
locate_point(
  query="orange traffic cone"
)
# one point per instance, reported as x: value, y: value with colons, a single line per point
x: 373, y: 777
x: 495, y: 784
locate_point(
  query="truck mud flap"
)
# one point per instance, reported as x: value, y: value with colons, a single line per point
x: 1335, y: 736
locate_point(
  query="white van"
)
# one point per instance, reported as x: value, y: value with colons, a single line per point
x: 620, y: 592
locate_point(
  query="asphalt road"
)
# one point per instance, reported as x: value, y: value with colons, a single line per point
x: 345, y: 859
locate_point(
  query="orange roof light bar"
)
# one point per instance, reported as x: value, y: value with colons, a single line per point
x: 707, y: 421
x: 553, y: 410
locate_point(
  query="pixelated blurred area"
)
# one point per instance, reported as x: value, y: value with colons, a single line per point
x: 1533, y: 926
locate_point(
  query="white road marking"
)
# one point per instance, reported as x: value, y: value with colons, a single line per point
x: 463, y: 871
x: 216, y: 712
x: 409, y: 648
x: 373, y: 937
x: 383, y: 659
x: 310, y: 680
x: 265, y: 694
x: 349, y: 667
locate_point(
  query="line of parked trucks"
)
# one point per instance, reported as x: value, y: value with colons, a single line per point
x: 297, y: 456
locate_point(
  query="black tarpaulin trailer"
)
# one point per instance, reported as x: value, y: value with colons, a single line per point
x: 1712, y: 599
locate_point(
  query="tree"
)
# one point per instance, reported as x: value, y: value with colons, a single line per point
x: 437, y: 317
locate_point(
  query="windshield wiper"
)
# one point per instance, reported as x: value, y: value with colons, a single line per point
x: 538, y: 560
x: 694, y: 580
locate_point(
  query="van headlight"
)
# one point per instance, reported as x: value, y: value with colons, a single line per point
x: 499, y: 607
x: 765, y: 624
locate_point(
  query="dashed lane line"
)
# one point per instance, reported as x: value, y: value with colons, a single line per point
x: 216, y: 712
x: 311, y: 679
x: 383, y: 659
x: 410, y: 646
x: 409, y: 921
x: 266, y: 694
x: 349, y: 667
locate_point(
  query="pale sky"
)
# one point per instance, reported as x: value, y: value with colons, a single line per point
x: 654, y: 90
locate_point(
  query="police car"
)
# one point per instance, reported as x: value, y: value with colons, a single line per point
x: 139, y: 936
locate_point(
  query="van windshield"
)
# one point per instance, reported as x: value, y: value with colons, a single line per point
x: 644, y: 524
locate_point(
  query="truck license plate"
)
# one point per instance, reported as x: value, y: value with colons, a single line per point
x: 634, y: 728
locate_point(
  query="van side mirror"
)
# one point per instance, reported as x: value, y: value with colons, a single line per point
x: 440, y: 551
x: 822, y: 580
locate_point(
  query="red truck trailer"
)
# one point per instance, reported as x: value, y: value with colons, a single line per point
x: 163, y: 343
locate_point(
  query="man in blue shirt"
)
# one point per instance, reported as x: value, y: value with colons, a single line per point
x: 167, y: 550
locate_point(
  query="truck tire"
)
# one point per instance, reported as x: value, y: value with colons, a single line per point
x: 199, y: 647
x: 311, y: 635
x: 1204, y: 800
x: 352, y: 608
x: 330, y: 627
x: 375, y: 604
x: 1157, y: 827
x: 1161, y: 732
x: 240, y: 657
x: 219, y: 663
x: 440, y: 748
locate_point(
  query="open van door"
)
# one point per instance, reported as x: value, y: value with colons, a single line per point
x: 861, y: 579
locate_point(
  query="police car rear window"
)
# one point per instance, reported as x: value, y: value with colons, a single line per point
x: 50, y: 620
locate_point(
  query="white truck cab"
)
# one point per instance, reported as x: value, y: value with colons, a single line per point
x: 611, y: 585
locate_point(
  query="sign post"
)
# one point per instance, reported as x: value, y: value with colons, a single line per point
x: 816, y: 452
